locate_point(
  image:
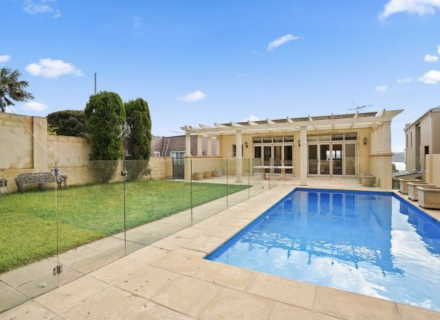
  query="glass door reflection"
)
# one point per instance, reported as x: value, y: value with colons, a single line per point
x: 324, y: 159
x: 337, y: 159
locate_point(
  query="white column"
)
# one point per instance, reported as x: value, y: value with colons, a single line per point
x: 386, y: 137
x: 303, y: 152
x: 199, y: 146
x: 239, y: 156
x: 209, y: 151
x: 187, y: 144
x: 378, y: 138
x: 217, y: 147
x: 372, y: 141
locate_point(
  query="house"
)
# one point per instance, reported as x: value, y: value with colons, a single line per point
x: 174, y: 146
x: 327, y: 146
x: 422, y: 150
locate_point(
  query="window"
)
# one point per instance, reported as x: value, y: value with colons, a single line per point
x: 277, y: 139
x: 177, y: 154
x: 337, y: 137
x: 234, y: 151
x: 256, y: 139
x: 411, y: 139
x: 204, y: 153
x: 407, y: 140
x: 351, y: 136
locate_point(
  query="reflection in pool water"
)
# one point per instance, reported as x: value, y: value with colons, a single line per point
x: 370, y: 243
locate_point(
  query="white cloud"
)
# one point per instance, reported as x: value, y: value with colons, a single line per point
x: 420, y: 7
x: 251, y: 118
x: 382, y: 89
x: 34, y: 106
x: 438, y: 49
x: 41, y: 7
x: 431, y: 77
x: 50, y: 68
x: 193, y: 96
x: 4, y: 58
x: 405, y: 80
x: 280, y: 41
x: 430, y: 58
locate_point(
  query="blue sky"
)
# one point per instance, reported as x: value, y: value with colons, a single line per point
x: 212, y: 61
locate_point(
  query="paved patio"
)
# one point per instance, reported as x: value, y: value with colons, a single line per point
x: 169, y: 279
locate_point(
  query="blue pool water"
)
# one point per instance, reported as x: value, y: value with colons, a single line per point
x: 370, y: 243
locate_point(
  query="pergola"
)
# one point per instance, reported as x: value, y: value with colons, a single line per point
x: 379, y: 122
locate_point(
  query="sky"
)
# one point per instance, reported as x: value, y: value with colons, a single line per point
x: 200, y: 61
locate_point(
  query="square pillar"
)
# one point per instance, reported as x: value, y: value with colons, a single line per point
x: 209, y: 151
x: 217, y: 147
x: 386, y: 137
x: 303, y: 156
x: 199, y: 146
x: 239, y: 156
x: 187, y: 144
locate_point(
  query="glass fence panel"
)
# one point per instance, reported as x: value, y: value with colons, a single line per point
x: 274, y: 174
x: 209, y: 180
x: 157, y: 205
x: 238, y: 181
x: 28, y: 215
x: 256, y: 177
x: 91, y: 217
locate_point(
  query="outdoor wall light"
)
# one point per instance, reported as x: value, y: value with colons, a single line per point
x: 365, y: 141
x: 299, y: 143
x: 246, y: 144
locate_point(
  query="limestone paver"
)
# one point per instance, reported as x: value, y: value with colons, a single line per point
x: 187, y: 295
x: 71, y: 294
x: 226, y: 275
x: 153, y: 311
x: 298, y: 293
x: 171, y: 242
x: 347, y: 305
x: 28, y: 311
x: 193, y: 252
x: 204, y: 244
x: 221, y: 231
x: 412, y: 313
x: 231, y: 304
x: 111, y: 303
x: 147, y: 281
x: 283, y: 311
x: 120, y: 269
x: 180, y: 262
x: 190, y: 233
x: 10, y: 298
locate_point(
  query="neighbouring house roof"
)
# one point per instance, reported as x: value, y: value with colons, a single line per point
x: 328, y: 122
x: 409, y: 125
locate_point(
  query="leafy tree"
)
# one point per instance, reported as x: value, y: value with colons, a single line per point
x: 11, y: 89
x: 105, y: 125
x: 138, y: 140
x: 67, y: 123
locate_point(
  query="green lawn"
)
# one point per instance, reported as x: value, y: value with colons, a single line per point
x: 28, y: 227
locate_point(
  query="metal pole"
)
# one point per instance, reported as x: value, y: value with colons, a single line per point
x: 191, y: 171
x: 227, y: 184
x: 95, y: 82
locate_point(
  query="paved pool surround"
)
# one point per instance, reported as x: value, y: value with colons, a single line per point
x: 171, y: 279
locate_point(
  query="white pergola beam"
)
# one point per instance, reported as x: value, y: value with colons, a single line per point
x: 294, y: 125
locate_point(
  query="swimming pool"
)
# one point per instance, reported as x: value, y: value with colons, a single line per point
x: 370, y: 243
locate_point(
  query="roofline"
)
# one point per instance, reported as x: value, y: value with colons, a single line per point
x: 436, y: 109
x: 295, y: 124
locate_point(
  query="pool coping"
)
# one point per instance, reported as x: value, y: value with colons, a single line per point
x: 222, y: 291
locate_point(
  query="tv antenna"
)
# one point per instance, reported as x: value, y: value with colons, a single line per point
x: 359, y: 107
